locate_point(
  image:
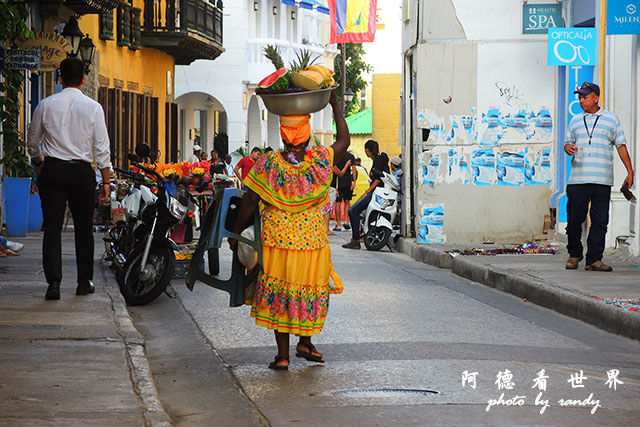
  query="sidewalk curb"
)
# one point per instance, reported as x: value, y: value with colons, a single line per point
x: 139, y: 369
x: 564, y: 301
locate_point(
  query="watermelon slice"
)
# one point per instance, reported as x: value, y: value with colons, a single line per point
x: 279, y: 80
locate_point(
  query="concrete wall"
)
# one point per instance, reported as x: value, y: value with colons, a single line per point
x: 488, y: 98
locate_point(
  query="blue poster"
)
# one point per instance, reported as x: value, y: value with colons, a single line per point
x: 431, y: 223
x: 572, y: 46
x: 623, y: 17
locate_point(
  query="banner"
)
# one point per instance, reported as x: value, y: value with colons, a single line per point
x: 353, y: 21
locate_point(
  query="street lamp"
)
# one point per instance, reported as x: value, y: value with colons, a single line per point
x: 87, y: 50
x: 73, y: 35
x: 348, y: 97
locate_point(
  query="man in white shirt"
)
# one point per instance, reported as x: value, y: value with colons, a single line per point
x: 228, y: 166
x: 66, y: 134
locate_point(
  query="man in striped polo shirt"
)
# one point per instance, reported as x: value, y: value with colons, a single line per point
x: 591, y: 138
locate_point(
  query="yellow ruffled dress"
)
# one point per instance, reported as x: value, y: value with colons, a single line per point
x: 292, y: 294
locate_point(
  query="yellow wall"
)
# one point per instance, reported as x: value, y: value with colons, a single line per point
x: 146, y: 67
x: 386, y: 112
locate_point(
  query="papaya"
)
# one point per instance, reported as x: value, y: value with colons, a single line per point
x: 308, y: 79
x: 326, y: 73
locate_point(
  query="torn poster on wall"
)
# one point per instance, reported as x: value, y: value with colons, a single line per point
x: 431, y: 223
x: 491, y: 148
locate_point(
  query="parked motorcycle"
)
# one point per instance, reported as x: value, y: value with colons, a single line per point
x: 127, y: 197
x: 149, y: 266
x: 376, y: 222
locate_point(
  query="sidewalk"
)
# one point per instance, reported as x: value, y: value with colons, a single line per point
x: 543, y: 280
x: 77, y: 361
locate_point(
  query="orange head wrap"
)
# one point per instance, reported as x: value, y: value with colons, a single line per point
x: 295, y: 129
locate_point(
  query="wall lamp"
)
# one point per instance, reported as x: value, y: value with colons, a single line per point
x: 275, y: 10
x: 255, y: 6
x: 293, y: 14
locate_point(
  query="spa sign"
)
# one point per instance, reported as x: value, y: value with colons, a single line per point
x: 53, y: 48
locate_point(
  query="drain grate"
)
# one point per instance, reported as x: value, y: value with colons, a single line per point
x: 384, y: 392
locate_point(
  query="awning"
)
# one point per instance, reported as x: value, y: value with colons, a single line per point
x: 84, y: 7
x: 360, y: 123
x: 308, y: 4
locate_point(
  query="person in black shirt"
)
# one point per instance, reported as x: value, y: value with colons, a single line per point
x: 217, y: 165
x: 344, y: 180
x: 380, y: 163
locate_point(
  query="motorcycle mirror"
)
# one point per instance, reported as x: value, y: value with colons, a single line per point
x: 133, y: 157
x: 143, y: 149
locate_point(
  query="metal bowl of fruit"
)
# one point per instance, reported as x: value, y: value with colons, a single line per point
x: 297, y: 102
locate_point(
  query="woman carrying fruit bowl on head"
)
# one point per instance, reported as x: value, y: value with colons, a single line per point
x: 292, y: 293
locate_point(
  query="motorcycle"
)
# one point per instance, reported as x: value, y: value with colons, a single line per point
x: 128, y: 198
x: 150, y: 264
x: 376, y: 222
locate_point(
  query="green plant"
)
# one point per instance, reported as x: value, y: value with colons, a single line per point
x: 14, y: 157
x: 354, y: 70
x: 242, y: 152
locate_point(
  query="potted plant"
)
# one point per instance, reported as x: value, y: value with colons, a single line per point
x: 15, y: 163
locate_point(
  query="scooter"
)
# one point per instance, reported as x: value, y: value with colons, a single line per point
x: 376, y: 222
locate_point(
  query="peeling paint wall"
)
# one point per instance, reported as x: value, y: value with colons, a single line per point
x: 487, y: 97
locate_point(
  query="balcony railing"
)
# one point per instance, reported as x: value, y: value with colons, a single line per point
x: 185, y: 29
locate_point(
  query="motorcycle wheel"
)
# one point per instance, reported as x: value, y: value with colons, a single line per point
x: 162, y: 262
x: 114, y: 234
x: 376, y: 238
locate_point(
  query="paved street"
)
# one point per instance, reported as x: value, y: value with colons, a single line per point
x: 399, y: 324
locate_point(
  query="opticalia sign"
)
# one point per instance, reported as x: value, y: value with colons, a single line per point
x: 572, y: 46
x: 538, y: 18
x: 623, y: 17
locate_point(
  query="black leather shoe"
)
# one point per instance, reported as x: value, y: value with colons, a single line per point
x: 53, y: 291
x: 85, y: 288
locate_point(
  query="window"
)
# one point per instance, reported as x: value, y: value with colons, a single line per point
x: 106, y: 26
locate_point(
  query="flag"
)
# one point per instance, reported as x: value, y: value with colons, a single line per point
x: 352, y: 21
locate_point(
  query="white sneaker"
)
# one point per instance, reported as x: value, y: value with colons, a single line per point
x: 14, y: 246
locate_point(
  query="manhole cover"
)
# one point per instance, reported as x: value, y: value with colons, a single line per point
x: 384, y: 392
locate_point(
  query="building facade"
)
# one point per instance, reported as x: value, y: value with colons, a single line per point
x: 218, y: 98
x: 484, y: 119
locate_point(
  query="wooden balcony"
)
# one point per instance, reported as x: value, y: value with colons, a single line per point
x: 185, y: 29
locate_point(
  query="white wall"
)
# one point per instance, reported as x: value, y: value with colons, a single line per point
x: 474, y: 63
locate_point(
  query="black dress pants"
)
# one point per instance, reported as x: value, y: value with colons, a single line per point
x: 578, y: 198
x: 61, y: 182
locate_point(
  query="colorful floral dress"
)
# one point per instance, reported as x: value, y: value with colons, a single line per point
x: 292, y: 294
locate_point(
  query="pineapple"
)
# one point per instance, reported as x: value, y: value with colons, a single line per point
x: 304, y: 60
x: 273, y: 54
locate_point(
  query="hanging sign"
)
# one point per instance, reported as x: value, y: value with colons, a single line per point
x: 538, y: 18
x: 52, y: 46
x: 15, y: 59
x: 623, y: 17
x: 572, y: 46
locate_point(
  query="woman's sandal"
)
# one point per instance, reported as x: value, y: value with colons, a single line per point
x: 309, y: 354
x: 274, y: 365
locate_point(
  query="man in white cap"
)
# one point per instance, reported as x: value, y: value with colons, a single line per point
x: 195, y: 157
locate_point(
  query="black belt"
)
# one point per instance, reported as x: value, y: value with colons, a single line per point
x: 71, y: 162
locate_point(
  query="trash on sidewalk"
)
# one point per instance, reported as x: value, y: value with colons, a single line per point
x: 544, y: 248
x: 625, y: 304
